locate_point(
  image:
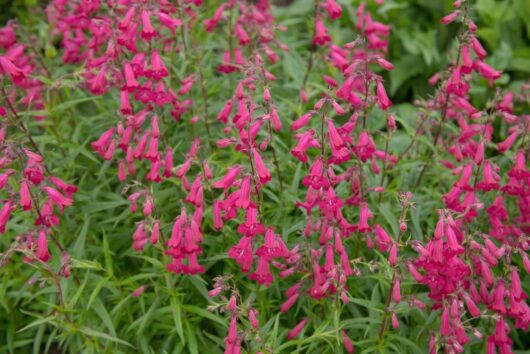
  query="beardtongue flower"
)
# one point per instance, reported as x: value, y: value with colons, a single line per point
x: 321, y: 34
x: 348, y: 345
x: 261, y: 169
x: 453, y: 265
x: 42, y: 247
x: 450, y: 18
x: 251, y: 227
x: 5, y: 213
x: 130, y: 54
x: 488, y: 72
x: 382, y: 98
x: 295, y: 332
x: 477, y: 48
x: 8, y: 67
x: 262, y: 274
x: 333, y: 9
x: 25, y: 196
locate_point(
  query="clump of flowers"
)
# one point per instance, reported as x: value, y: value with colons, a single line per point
x: 302, y: 187
x: 26, y: 182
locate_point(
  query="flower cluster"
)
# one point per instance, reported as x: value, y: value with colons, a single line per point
x: 461, y: 265
x: 346, y: 153
x: 126, y: 47
x: 26, y: 183
x: 339, y: 154
x: 244, y: 118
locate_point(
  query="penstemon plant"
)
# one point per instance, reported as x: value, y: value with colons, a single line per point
x: 245, y: 177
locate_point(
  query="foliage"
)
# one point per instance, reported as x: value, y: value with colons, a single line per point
x: 118, y: 299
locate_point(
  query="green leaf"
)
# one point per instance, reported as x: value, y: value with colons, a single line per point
x: 192, y: 340
x: 177, y: 316
x: 204, y: 314
x: 93, y: 333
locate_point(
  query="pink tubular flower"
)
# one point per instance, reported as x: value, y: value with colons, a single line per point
x: 139, y: 237
x: 396, y: 291
x: 225, y: 112
x: 393, y: 255
x: 125, y: 104
x: 158, y: 69
x: 302, y: 121
x: 42, y: 247
x: 211, y: 23
x: 487, y: 71
x: 193, y: 265
x: 168, y: 21
x: 244, y: 195
x: 267, y: 95
x: 297, y: 329
x: 395, y: 321
x: 471, y: 306
x: 5, y: 213
x: 383, y: 240
x: 130, y: 80
x: 508, y: 142
x: 251, y: 227
x: 148, y: 31
x: 519, y: 170
x: 103, y: 143
x: 490, y: 178
x: 270, y: 248
x: 228, y: 180
x: 253, y: 318
x: 4, y: 177
x: 262, y: 274
x: 364, y: 215
x: 467, y: 63
x: 385, y: 64
x: 477, y: 48
x: 215, y: 291
x: 139, y: 291
x: 334, y: 137
x: 241, y: 35
x: 57, y: 197
x: 289, y: 303
x: 445, y: 327
x: 333, y: 9
x: 7, y: 66
x: 98, y: 85
x: 365, y: 147
x: 25, y: 197
x: 304, y: 143
x: 321, y: 34
x: 231, y: 337
x: 276, y: 122
x: 463, y: 183
x: 262, y: 171
x: 479, y: 153
x: 242, y: 253
x: 155, y: 233
x: 456, y: 84
x: 303, y: 95
x: 348, y: 345
x: 316, y: 178
x: 382, y: 99
x: 127, y: 19
x: 450, y: 18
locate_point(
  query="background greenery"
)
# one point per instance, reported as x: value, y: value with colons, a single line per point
x: 171, y: 316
